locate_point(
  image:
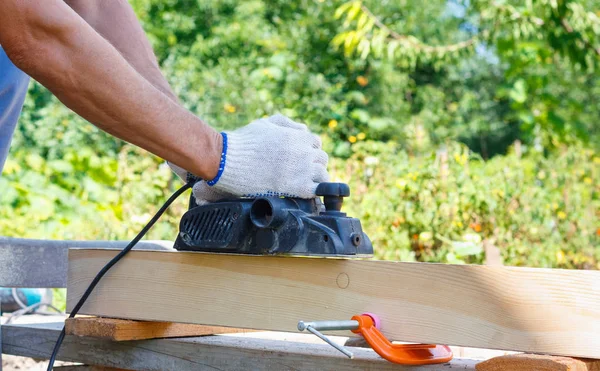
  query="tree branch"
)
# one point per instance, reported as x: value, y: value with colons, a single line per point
x: 514, y: 15
x: 413, y: 41
x: 567, y: 27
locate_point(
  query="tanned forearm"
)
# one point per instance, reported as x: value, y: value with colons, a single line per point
x: 55, y: 46
x: 116, y: 21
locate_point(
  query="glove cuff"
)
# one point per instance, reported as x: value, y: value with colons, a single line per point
x: 222, y: 163
x: 240, y: 163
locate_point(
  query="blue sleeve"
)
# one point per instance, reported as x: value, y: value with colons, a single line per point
x: 13, y: 87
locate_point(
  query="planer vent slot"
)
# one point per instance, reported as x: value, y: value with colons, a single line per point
x: 212, y: 226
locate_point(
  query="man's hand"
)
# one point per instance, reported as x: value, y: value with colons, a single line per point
x: 274, y: 156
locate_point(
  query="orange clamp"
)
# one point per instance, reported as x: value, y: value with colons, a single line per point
x: 406, y: 354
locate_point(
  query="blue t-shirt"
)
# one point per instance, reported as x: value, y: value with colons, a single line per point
x: 13, y: 87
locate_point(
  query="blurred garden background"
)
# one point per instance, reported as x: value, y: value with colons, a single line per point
x: 464, y: 128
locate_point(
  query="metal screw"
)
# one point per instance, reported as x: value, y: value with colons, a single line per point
x: 185, y: 237
x: 355, y: 237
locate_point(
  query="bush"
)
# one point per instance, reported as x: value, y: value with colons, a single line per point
x: 445, y: 205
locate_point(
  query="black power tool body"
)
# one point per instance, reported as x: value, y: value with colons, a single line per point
x: 275, y: 226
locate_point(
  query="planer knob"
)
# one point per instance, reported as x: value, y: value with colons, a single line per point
x: 333, y: 195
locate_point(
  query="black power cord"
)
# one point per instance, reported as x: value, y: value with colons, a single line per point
x: 112, y: 262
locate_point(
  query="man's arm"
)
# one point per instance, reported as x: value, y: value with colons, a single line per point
x: 116, y: 21
x: 51, y: 43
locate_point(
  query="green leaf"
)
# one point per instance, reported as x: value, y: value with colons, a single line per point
x: 60, y: 166
x: 34, y: 161
x: 518, y: 93
x: 360, y: 115
x: 362, y: 21
x: 364, y: 47
x: 380, y: 123
x: 392, y: 45
x: 353, y: 11
x: 356, y: 97
x: 342, y: 149
x: 342, y: 9
x: 556, y: 121
x: 466, y: 248
x: 339, y: 39
x: 451, y: 258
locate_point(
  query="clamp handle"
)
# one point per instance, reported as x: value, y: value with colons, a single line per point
x: 406, y: 354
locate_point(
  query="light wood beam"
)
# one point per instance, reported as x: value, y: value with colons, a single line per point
x: 524, y: 309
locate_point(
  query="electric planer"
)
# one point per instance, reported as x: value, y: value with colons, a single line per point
x: 275, y: 226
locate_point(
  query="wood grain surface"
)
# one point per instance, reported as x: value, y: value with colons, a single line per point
x: 124, y: 330
x: 524, y: 309
x: 529, y: 362
x: 206, y: 353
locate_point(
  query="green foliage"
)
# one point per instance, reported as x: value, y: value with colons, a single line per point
x: 445, y: 205
x: 565, y: 27
x: 541, y: 58
x: 366, y: 34
x: 419, y: 104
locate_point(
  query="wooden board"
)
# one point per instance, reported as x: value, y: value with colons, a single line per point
x: 528, y: 362
x: 238, y: 352
x: 123, y: 330
x: 524, y: 309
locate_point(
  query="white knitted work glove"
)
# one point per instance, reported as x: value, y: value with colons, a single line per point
x: 274, y: 156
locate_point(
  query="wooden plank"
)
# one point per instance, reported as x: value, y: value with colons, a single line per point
x: 528, y: 362
x: 124, y: 330
x: 230, y: 352
x: 524, y: 309
x: 43, y: 263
